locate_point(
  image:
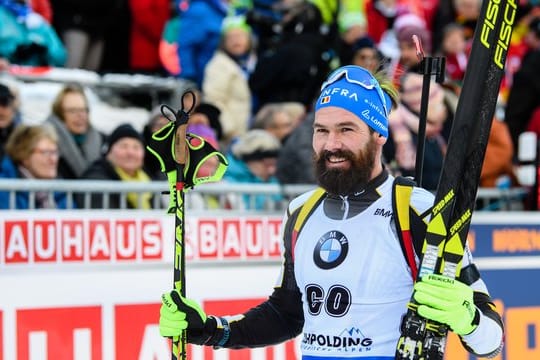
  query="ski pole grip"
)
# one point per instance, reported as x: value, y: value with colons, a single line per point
x: 180, y: 150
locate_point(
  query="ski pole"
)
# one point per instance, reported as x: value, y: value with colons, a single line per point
x: 429, y: 66
x: 180, y: 154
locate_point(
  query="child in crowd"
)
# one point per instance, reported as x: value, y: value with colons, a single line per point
x: 454, y: 49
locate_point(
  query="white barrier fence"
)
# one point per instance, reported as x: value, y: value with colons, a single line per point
x: 225, y: 193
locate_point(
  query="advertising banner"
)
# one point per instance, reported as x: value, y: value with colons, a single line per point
x: 86, y: 285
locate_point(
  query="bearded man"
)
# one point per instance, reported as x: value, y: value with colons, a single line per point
x: 345, y: 282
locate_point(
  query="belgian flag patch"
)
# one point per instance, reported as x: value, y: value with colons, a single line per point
x: 325, y: 100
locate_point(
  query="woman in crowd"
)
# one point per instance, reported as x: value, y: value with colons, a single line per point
x: 79, y: 143
x: 400, y: 149
x: 225, y: 83
x: 32, y: 153
x: 253, y: 160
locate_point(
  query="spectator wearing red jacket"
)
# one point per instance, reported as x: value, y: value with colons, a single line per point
x: 148, y: 18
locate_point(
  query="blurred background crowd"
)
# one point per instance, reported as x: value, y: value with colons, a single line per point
x: 256, y: 67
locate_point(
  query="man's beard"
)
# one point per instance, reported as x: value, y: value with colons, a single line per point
x: 339, y: 181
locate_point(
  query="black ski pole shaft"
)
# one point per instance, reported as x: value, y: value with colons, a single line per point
x: 179, y: 350
x: 179, y: 278
x: 429, y: 66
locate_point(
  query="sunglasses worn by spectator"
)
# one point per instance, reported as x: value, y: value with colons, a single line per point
x: 358, y: 76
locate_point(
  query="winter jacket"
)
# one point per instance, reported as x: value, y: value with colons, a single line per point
x: 5, y: 133
x: 295, y: 161
x: 101, y: 169
x: 225, y: 85
x: 238, y: 172
x: 148, y: 18
x: 498, y: 157
x: 198, y: 38
x: 294, y: 72
x: 29, y: 41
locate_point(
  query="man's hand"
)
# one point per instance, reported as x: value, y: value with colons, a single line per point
x: 447, y: 301
x: 178, y: 314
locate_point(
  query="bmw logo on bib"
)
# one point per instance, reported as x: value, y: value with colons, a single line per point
x: 331, y: 250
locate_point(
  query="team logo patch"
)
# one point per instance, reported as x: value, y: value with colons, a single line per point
x: 325, y: 100
x: 331, y: 250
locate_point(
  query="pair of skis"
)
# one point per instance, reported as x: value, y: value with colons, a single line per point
x: 446, y: 233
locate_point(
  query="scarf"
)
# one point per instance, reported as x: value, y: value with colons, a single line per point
x: 134, y: 199
x: 78, y: 157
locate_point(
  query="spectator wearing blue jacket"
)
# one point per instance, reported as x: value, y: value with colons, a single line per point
x: 26, y: 38
x: 253, y: 160
x: 198, y: 37
x: 32, y: 153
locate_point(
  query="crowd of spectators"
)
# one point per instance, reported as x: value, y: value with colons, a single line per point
x: 256, y: 67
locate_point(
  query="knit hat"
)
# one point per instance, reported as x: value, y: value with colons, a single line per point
x: 213, y: 114
x: 123, y: 131
x: 256, y: 144
x: 354, y: 88
x: 235, y: 22
x: 204, y: 131
x: 362, y: 43
x: 408, y: 25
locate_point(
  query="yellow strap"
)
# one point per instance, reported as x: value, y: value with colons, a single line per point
x: 402, y: 197
x: 402, y: 193
x: 307, y: 208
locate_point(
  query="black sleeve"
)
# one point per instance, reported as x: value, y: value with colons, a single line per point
x: 276, y: 320
x: 279, y: 318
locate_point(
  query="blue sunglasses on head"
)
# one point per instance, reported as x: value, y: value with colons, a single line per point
x: 359, y: 76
